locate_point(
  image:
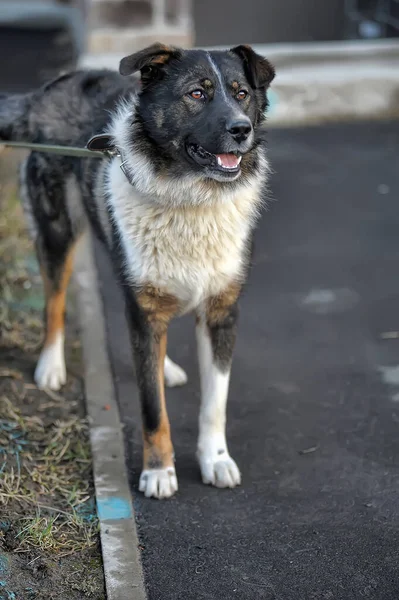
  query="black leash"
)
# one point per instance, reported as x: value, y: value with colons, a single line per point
x: 53, y: 149
x: 97, y: 147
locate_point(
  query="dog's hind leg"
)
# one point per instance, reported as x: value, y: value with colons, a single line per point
x: 50, y: 370
x: 216, y: 332
x: 174, y: 375
x: 50, y: 200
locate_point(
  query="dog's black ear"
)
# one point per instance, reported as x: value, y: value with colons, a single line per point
x: 259, y: 71
x: 148, y: 61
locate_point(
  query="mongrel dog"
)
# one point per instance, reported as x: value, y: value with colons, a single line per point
x: 177, y: 218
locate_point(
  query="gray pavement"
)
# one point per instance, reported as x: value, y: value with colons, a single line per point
x: 313, y: 412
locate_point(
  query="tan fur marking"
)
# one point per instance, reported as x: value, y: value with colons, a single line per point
x: 164, y: 57
x: 159, y: 307
x: 217, y: 308
x: 56, y: 299
x: 160, y: 60
x: 157, y: 446
x: 165, y: 48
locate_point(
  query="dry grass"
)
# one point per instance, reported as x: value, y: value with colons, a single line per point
x: 45, y: 476
x: 46, y: 494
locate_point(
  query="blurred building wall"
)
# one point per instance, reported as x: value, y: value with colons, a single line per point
x: 127, y: 25
x: 222, y: 22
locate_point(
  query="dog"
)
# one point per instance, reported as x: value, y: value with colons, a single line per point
x: 175, y: 203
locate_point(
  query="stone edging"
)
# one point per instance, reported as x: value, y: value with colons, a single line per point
x: 119, y: 540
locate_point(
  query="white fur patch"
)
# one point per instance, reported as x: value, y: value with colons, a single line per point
x: 158, y: 483
x: 217, y: 467
x: 173, y: 374
x: 220, y: 472
x: 50, y: 371
x: 219, y: 77
x: 190, y: 252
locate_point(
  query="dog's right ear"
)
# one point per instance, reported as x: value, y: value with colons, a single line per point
x: 149, y: 61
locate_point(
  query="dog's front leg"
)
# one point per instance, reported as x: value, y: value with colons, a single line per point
x: 216, y: 333
x: 148, y: 317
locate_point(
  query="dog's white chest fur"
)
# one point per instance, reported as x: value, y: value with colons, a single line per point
x: 191, y: 252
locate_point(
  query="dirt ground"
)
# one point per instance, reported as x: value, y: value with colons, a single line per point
x: 49, y: 541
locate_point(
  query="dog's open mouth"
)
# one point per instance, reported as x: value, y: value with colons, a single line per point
x: 226, y: 163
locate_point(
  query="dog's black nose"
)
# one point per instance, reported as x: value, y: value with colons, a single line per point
x: 240, y: 130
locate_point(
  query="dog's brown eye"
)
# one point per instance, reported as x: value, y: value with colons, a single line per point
x: 242, y: 94
x: 197, y: 94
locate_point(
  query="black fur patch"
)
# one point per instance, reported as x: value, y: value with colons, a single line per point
x: 145, y: 362
x: 223, y: 336
x: 142, y: 341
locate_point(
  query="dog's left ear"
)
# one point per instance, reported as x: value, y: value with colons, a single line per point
x: 259, y: 71
x: 149, y: 61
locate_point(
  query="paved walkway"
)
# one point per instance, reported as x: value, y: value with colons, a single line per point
x: 313, y: 413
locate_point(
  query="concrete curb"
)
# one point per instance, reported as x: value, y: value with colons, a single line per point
x: 321, y: 82
x: 119, y: 540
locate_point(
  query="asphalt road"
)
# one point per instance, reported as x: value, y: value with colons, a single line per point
x: 313, y: 413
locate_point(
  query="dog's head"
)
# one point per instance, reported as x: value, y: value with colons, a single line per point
x: 199, y: 112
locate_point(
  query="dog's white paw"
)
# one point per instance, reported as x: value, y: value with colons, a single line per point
x: 158, y: 483
x: 50, y: 371
x: 220, y: 471
x: 174, y: 375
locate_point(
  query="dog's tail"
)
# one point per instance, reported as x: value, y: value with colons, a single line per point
x: 14, y: 117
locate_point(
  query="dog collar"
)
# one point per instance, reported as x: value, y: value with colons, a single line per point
x: 103, y: 143
x: 124, y: 167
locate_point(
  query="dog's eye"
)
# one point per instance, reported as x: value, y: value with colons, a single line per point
x: 197, y: 94
x: 242, y: 94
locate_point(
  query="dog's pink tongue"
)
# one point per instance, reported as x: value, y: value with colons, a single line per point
x: 230, y: 161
